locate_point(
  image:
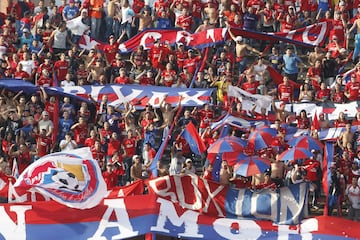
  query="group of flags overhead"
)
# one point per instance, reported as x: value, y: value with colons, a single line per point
x: 309, y: 36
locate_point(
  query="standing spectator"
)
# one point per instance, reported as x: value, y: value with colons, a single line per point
x: 67, y: 143
x: 110, y: 177
x: 43, y: 143
x: 177, y: 160
x: 353, y: 196
x: 352, y: 89
x: 291, y: 62
x: 70, y: 11
x: 80, y: 130
x: 96, y: 14
x: 127, y: 18
x: 46, y: 123
x: 23, y: 156
x: 286, y: 91
x: 59, y: 38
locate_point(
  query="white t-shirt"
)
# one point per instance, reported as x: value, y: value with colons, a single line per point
x: 28, y: 66
x: 69, y: 146
x: 65, y: 83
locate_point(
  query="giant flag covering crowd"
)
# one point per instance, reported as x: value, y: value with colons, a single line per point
x: 106, y: 105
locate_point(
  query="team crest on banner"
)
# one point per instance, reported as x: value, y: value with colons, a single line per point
x: 70, y: 178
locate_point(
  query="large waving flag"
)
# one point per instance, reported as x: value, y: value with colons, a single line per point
x: 87, y: 42
x: 76, y: 26
x: 71, y: 178
x: 199, y: 40
x: 249, y: 99
x: 191, y: 135
x: 138, y: 95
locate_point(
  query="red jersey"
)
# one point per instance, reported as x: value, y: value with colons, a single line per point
x: 323, y: 94
x: 44, y: 66
x: 122, y: 80
x: 250, y: 87
x: 190, y: 64
x: 285, y: 92
x: 338, y: 30
x: 50, y: 108
x: 279, y: 10
x: 129, y: 146
x: 338, y: 97
x: 303, y: 123
x: 110, y: 52
x: 169, y: 77
x: 154, y: 55
x: 61, y: 69
x: 82, y: 74
x: 111, y: 179
x: 312, y: 167
x: 256, y: 4
x: 184, y: 22
x: 146, y: 81
x: 44, y: 81
x: 21, y: 75
x: 353, y: 89
x: 114, y: 145
x: 287, y: 27
x: 99, y: 156
x: 206, y: 117
x: 180, y: 57
x: 23, y: 161
x: 90, y: 142
x: 80, y: 134
x: 43, y: 145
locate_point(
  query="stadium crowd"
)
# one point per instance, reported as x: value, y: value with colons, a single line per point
x: 35, y: 46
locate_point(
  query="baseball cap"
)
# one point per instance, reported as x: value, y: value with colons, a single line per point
x: 238, y: 38
x: 188, y: 160
x: 45, y: 113
x: 25, y: 30
x: 71, y: 1
x: 135, y: 157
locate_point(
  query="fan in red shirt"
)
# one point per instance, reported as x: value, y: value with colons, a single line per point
x: 324, y: 94
x: 21, y: 74
x: 44, y: 80
x: 43, y: 143
x: 80, y: 132
x: 122, y: 78
x: 105, y: 133
x: 114, y: 145
x: 206, y: 116
x: 257, y: 5
x: 110, y: 177
x: 338, y: 95
x: 98, y: 154
x: 168, y: 76
x: 191, y: 62
x: 251, y: 85
x: 111, y: 49
x: 338, y: 28
x: 90, y: 141
x: 155, y: 55
x: 181, y: 55
x: 303, y: 122
x: 352, y: 89
x: 148, y: 79
x: 184, y: 21
x: 315, y: 73
x: 61, y: 68
x: 129, y: 144
x: 286, y: 91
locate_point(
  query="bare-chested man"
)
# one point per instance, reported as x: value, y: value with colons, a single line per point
x: 257, y: 180
x: 211, y: 13
x: 168, y: 114
x: 136, y: 168
x: 357, y: 38
x: 145, y: 19
x: 277, y: 171
x: 317, y: 54
x: 241, y: 51
x: 345, y: 137
x: 225, y: 173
